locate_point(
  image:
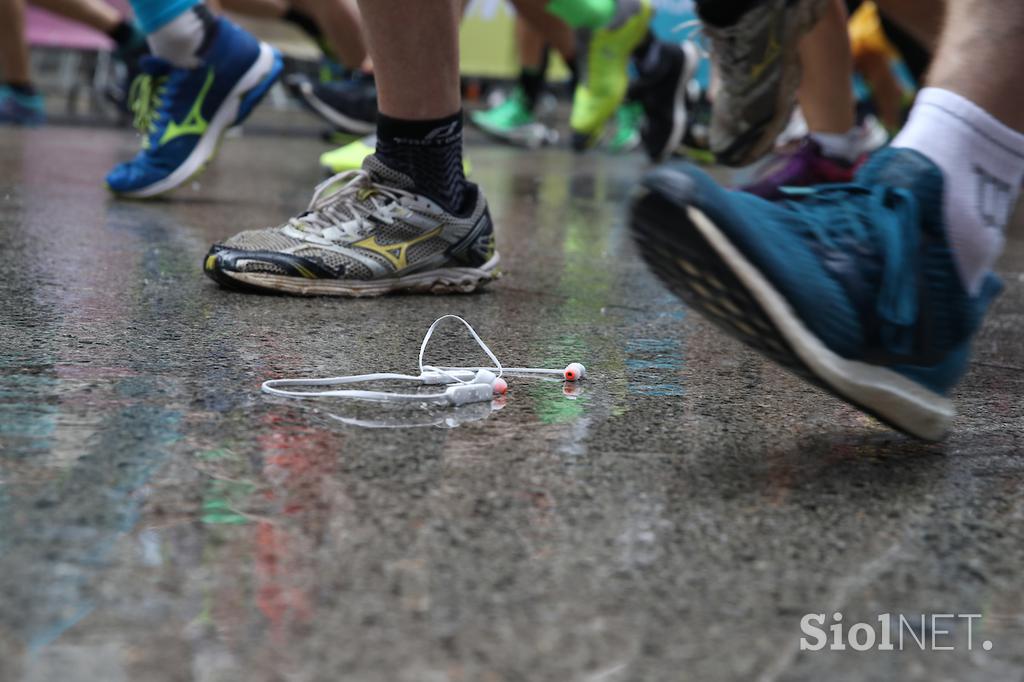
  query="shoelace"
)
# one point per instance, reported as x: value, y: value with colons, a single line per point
x: 146, y: 97
x: 888, y: 216
x: 345, y: 212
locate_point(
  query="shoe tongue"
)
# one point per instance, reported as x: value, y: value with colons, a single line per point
x: 385, y: 175
x: 910, y: 170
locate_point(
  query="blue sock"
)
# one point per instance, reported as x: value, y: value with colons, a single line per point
x: 154, y: 14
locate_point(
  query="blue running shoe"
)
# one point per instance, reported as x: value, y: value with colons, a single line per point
x: 183, y: 113
x: 851, y: 286
x: 17, y: 108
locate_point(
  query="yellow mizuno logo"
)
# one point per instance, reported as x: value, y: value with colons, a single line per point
x: 396, y: 253
x: 771, y: 53
x: 194, y: 123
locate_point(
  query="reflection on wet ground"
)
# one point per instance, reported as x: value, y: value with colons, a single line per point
x: 673, y: 518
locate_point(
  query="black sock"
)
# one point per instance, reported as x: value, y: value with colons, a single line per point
x: 123, y: 34
x: 304, y: 22
x: 26, y: 89
x: 723, y: 12
x: 429, y: 152
x: 532, y: 81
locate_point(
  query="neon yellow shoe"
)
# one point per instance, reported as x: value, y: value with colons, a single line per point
x: 604, y: 70
x: 350, y: 156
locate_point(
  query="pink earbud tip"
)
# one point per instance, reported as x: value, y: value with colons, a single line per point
x: 500, y: 386
x: 574, y: 372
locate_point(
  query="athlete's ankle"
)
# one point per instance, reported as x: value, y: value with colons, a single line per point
x: 982, y: 161
x: 531, y: 81
x: 183, y: 40
x: 847, y: 147
x: 429, y: 152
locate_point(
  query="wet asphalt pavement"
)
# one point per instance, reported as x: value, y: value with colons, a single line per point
x: 161, y: 520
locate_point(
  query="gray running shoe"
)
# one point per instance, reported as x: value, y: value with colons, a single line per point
x: 366, y: 233
x: 757, y: 67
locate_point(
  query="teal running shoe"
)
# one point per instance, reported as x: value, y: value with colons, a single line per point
x: 514, y: 122
x: 17, y: 108
x: 183, y: 113
x: 850, y: 286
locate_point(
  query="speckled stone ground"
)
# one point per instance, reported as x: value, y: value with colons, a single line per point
x: 161, y: 520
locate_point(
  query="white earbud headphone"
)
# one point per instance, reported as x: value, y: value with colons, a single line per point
x: 465, y: 384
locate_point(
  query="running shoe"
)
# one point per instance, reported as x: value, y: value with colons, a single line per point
x: 514, y: 122
x: 365, y: 233
x: 850, y: 286
x: 17, y: 108
x: 802, y: 166
x: 603, y: 60
x: 352, y: 155
x: 628, y: 121
x: 758, y: 70
x: 183, y: 113
x: 661, y: 88
x: 348, y: 105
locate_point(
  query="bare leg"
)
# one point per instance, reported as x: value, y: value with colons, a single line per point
x: 555, y: 31
x: 415, y: 51
x: 826, y: 91
x: 13, y: 48
x: 530, y: 45
x: 93, y: 13
x: 342, y: 26
x: 980, y: 54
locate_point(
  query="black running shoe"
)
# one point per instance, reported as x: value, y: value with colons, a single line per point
x: 349, y: 105
x: 662, y: 92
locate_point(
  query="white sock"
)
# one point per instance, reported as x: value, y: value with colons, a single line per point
x: 848, y: 146
x: 179, y: 40
x: 983, y: 164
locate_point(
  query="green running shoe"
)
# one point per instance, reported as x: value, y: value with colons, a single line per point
x: 514, y: 122
x: 348, y: 157
x: 604, y: 70
x: 626, y: 137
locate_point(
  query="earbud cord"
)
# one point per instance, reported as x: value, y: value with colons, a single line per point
x: 444, y: 371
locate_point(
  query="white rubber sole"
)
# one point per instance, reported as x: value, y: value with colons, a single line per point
x: 333, y: 116
x: 441, y: 281
x: 892, y: 396
x: 208, y: 141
